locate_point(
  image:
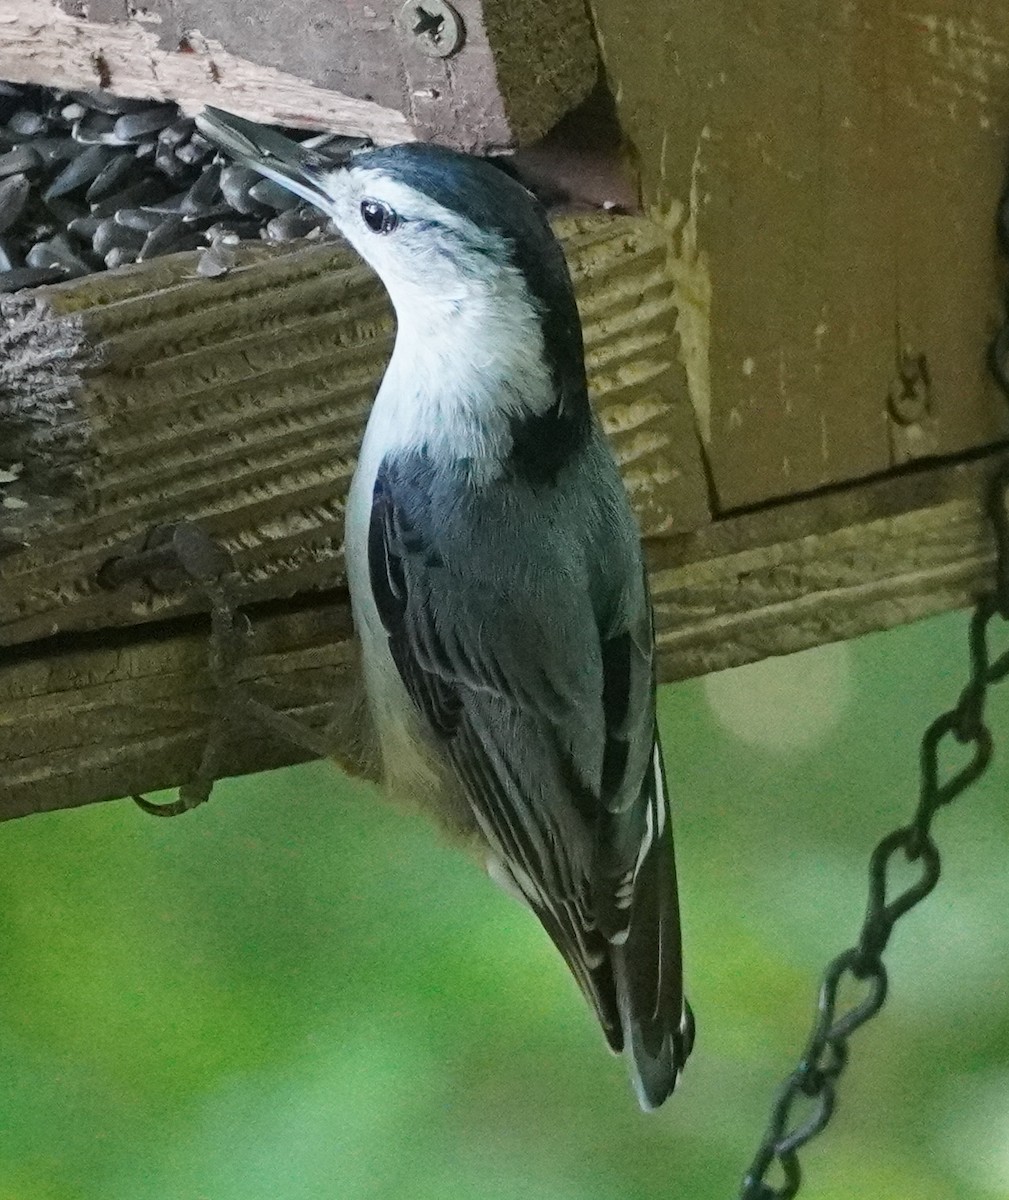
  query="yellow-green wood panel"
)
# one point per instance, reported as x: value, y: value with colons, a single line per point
x: 829, y: 177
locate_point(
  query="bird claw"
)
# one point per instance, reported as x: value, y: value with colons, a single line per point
x: 173, y: 556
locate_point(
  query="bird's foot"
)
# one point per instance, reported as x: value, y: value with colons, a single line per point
x: 181, y: 555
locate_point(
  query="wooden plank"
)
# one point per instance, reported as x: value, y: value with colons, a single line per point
x: 90, y: 717
x: 150, y: 395
x: 40, y: 43
x: 949, y: 111
x: 829, y: 175
x: 796, y: 575
x: 113, y: 714
x: 519, y: 67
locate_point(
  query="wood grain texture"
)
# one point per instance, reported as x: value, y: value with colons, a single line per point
x: 94, y: 717
x: 40, y: 43
x: 151, y: 395
x: 347, y: 66
x: 123, y: 713
x: 797, y: 575
x: 829, y: 175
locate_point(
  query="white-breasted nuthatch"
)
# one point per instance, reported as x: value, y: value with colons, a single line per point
x: 496, y: 574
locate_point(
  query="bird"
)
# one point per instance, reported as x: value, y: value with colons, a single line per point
x: 496, y: 574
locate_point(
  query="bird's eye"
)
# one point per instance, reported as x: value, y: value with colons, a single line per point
x: 379, y: 217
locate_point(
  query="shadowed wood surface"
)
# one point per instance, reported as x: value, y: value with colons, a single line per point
x: 151, y: 395
x: 95, y: 716
x: 354, y: 68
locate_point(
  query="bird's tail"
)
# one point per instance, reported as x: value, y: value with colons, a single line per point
x: 657, y: 1023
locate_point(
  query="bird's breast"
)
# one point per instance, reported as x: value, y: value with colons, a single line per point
x: 414, y: 769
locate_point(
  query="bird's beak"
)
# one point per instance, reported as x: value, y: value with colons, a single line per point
x: 300, y: 170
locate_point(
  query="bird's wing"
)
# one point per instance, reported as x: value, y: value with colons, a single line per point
x: 548, y: 720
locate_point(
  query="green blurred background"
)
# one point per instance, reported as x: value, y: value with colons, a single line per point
x: 297, y: 992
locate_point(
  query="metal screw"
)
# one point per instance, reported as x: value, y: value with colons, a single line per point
x: 434, y: 25
x: 909, y: 396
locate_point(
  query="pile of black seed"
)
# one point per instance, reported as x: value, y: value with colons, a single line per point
x: 89, y: 181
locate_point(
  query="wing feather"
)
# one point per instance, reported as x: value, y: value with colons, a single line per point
x: 557, y: 754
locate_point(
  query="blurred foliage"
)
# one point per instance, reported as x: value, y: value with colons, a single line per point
x: 297, y: 992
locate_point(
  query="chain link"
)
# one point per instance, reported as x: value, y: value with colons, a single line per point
x: 806, y: 1100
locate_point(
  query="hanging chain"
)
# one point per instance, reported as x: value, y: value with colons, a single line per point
x: 806, y: 1100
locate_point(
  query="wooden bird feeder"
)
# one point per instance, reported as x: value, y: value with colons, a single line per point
x: 788, y: 342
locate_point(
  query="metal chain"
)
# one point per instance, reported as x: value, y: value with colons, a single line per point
x: 806, y: 1099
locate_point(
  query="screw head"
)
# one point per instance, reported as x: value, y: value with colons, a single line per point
x: 434, y: 25
x: 908, y: 398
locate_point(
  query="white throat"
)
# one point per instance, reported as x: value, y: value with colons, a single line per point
x: 463, y: 367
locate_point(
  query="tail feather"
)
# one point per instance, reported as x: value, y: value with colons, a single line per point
x: 594, y: 978
x: 657, y: 1022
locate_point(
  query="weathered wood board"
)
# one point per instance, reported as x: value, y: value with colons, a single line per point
x: 97, y: 716
x: 830, y: 176
x: 353, y: 67
x: 151, y: 395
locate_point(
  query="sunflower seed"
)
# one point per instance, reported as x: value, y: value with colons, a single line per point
x: 218, y: 259
x: 19, y: 161
x: 187, y: 240
x: 57, y: 252
x: 53, y: 151
x: 317, y: 141
x: 131, y: 127
x: 247, y: 230
x: 191, y: 154
x: 26, y: 123
x: 143, y: 220
x: 110, y: 177
x: 295, y: 223
x: 28, y: 277
x: 217, y: 212
x: 130, y: 197
x: 119, y: 256
x: 96, y: 128
x: 35, y: 228
x: 336, y: 146
x: 236, y: 184
x: 82, y: 170
x: 110, y: 233
x: 152, y: 182
x: 108, y: 102
x: 165, y: 235
x: 14, y: 192
x: 67, y: 256
x: 170, y: 166
x: 9, y: 257
x: 171, y: 206
x: 84, y: 227
x: 178, y: 132
x: 63, y: 211
x: 42, y: 256
x: 273, y: 195
x: 203, y: 191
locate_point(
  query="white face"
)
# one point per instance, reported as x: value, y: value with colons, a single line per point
x: 469, y: 344
x: 424, y: 253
